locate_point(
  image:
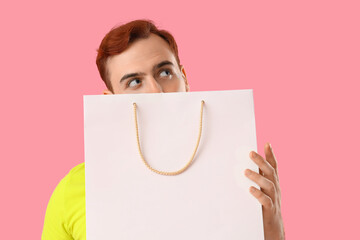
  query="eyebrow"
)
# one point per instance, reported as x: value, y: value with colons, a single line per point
x: 159, y: 65
x: 163, y: 63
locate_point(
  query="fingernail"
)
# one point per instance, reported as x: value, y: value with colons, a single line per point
x: 247, y: 172
x: 252, y: 189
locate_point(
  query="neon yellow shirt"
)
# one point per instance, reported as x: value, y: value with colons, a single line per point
x: 65, y: 214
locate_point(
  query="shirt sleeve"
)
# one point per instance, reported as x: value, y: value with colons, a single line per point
x: 55, y: 226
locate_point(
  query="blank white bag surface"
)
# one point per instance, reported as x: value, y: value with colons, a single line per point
x: 210, y: 200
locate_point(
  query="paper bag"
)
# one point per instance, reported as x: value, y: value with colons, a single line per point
x: 209, y: 200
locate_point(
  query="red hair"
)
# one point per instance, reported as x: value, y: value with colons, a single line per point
x: 118, y: 39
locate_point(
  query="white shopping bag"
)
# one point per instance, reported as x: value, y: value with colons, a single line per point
x: 209, y: 200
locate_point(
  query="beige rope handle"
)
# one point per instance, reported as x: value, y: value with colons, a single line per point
x: 192, y: 157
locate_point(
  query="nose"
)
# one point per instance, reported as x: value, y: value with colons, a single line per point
x: 153, y: 86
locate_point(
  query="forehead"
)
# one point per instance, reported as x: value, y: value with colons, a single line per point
x: 141, y: 55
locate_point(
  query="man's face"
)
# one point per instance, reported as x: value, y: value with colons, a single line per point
x: 147, y: 66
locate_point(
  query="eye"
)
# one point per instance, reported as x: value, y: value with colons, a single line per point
x: 165, y: 73
x: 133, y: 80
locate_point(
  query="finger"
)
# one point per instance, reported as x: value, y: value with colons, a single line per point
x: 270, y: 157
x: 264, y: 200
x: 267, y: 186
x: 264, y: 166
x: 261, y: 172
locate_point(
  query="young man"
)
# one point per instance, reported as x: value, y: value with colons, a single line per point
x: 139, y: 58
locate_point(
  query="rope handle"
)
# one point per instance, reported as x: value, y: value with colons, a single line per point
x: 189, y: 162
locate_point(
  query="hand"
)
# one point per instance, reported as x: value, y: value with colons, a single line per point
x: 269, y: 194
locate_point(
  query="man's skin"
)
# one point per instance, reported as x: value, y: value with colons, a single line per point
x: 149, y: 66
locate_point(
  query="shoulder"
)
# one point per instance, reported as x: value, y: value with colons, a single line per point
x: 76, y: 175
x: 65, y: 214
x: 77, y: 169
x: 73, y: 184
x: 74, y: 201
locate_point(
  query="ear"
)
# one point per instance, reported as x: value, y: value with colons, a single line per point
x: 183, y: 73
x: 107, y: 92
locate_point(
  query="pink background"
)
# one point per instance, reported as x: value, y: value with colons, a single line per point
x: 302, y: 58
